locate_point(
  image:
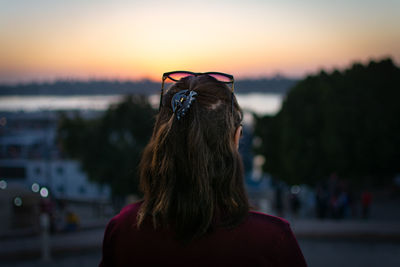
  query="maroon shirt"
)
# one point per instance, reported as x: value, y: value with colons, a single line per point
x: 261, y: 240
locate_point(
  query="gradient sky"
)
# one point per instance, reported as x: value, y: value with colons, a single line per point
x: 46, y: 39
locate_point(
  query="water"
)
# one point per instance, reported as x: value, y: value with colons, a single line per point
x: 256, y: 102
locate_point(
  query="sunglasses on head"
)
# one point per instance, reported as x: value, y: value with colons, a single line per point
x: 177, y: 75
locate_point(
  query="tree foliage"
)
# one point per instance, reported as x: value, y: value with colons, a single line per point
x: 109, y: 147
x: 344, y: 122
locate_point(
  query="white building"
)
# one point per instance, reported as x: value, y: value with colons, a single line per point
x: 33, y: 171
x: 29, y: 155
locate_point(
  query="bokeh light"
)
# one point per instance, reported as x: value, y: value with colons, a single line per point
x: 295, y: 189
x: 3, y: 184
x: 44, y: 192
x: 35, y: 187
x: 18, y: 201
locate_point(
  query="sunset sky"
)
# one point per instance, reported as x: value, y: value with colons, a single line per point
x: 44, y: 40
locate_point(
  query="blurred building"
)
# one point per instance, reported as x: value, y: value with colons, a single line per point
x: 32, y: 167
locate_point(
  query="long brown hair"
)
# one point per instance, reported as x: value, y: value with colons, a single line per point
x: 191, y: 173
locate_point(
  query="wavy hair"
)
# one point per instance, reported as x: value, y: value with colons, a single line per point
x: 191, y: 173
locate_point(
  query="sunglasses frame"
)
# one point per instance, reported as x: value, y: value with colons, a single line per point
x: 166, y: 75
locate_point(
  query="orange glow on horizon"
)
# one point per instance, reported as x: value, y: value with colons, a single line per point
x: 133, y: 41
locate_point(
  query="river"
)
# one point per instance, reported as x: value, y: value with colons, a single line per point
x: 255, y: 102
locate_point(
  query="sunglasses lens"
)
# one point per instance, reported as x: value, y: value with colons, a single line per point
x: 176, y: 76
x: 220, y: 77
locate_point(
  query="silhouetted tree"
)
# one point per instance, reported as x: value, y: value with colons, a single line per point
x: 109, y: 147
x: 344, y: 122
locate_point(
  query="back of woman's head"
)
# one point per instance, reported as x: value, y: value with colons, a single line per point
x: 191, y: 173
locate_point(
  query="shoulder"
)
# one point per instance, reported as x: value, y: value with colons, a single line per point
x: 274, y: 236
x: 127, y: 216
x: 269, y: 225
x: 129, y: 211
x: 259, y: 217
x: 117, y: 232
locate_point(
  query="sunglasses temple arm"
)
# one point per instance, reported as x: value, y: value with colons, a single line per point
x: 233, y: 86
x: 161, y: 93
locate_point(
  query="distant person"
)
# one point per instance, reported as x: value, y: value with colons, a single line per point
x: 352, y: 204
x: 72, y: 221
x: 279, y: 201
x: 195, y: 210
x: 48, y: 206
x: 321, y: 197
x: 366, y: 200
x: 343, y: 204
x: 295, y: 204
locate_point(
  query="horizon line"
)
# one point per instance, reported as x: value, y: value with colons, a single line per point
x: 146, y: 78
x: 138, y: 80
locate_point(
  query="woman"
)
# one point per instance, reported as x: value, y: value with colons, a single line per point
x: 195, y: 210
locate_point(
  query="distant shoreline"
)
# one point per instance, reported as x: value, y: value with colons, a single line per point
x: 278, y: 85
